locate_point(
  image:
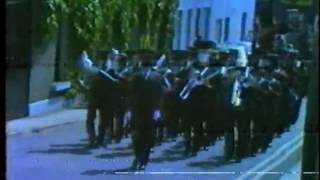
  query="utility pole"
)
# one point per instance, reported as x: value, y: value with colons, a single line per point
x: 310, y: 153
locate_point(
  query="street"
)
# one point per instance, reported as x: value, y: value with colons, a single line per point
x: 201, y: 89
x: 61, y: 153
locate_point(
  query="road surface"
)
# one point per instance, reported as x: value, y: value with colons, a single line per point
x: 61, y: 153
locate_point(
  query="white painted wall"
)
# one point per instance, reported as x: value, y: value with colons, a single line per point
x: 219, y: 9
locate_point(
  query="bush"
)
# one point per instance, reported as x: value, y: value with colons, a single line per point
x: 73, y: 77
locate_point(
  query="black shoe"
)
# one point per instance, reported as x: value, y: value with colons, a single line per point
x: 263, y: 150
x: 134, y: 165
x: 100, y: 144
x: 227, y: 158
x: 141, y: 168
x: 186, y: 153
x: 92, y: 144
x: 205, y: 148
x: 238, y: 160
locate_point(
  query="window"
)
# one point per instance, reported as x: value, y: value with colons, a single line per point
x: 207, y: 22
x: 226, y: 28
x: 198, y: 22
x: 189, y: 18
x: 218, y: 30
x: 203, y: 21
x: 178, y: 29
x: 243, y: 26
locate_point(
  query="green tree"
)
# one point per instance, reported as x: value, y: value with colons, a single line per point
x: 103, y: 24
x: 97, y: 25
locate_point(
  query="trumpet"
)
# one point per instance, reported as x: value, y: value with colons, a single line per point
x: 184, y: 94
x: 156, y: 67
x: 194, y: 81
x: 105, y: 74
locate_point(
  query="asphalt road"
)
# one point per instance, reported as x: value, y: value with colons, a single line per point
x: 61, y: 153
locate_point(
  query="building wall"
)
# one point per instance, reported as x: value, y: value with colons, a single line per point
x: 16, y: 93
x: 218, y: 9
x: 30, y: 68
x: 42, y: 71
x: 17, y: 58
x: 43, y: 56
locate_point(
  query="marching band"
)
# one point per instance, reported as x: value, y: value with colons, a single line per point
x: 195, y: 94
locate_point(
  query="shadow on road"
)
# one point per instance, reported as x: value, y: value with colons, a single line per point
x: 176, y: 149
x: 129, y: 147
x: 212, y: 162
x: 114, y: 155
x: 175, y: 153
x: 69, y: 145
x: 78, y: 149
x: 85, y: 140
x: 168, y: 159
x: 105, y: 172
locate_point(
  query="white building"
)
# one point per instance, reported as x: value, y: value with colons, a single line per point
x: 221, y: 21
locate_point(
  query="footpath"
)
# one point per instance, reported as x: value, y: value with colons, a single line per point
x: 42, y: 122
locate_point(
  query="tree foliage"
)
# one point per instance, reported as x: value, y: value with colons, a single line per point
x: 102, y: 24
x: 96, y: 25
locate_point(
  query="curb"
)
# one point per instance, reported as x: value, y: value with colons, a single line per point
x: 283, y: 164
x: 41, y: 123
x: 39, y: 129
x: 276, y: 164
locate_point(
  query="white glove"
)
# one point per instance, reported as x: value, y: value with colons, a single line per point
x: 87, y: 65
x: 84, y: 60
x: 156, y: 115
